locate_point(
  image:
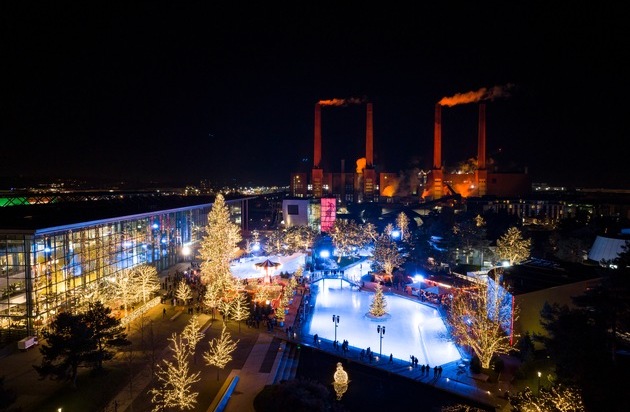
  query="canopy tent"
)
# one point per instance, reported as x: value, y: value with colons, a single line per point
x: 266, y: 265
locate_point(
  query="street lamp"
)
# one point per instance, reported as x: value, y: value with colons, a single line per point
x: 539, y: 374
x: 335, y: 320
x: 381, y: 331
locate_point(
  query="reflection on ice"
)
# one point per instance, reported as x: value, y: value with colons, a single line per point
x: 412, y: 329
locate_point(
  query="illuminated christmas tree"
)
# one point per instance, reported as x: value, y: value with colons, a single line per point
x: 378, y: 305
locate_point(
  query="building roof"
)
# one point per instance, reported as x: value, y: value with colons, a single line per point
x: 30, y: 218
x: 539, y: 274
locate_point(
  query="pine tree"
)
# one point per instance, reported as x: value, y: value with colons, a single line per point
x: 219, y: 245
x: 220, y: 352
x: 378, y: 305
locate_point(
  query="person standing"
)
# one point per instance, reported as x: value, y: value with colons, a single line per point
x: 391, y: 358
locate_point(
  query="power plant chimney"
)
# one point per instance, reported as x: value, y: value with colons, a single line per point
x: 437, y: 138
x: 369, y: 138
x: 481, y: 145
x: 317, y: 152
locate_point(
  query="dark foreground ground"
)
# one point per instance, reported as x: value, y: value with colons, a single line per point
x: 372, y: 389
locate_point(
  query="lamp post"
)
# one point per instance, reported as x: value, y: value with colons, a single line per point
x: 381, y: 331
x: 335, y: 320
x: 539, y: 374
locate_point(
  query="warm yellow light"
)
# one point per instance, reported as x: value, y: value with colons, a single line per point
x: 539, y: 374
x: 341, y: 381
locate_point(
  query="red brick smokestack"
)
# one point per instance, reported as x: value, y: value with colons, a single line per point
x: 317, y: 152
x: 437, y: 138
x: 481, y: 144
x: 369, y: 138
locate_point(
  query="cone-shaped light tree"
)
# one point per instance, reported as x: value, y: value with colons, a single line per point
x: 379, y: 304
x: 219, y: 245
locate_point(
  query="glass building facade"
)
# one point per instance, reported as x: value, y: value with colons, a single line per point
x: 51, y: 270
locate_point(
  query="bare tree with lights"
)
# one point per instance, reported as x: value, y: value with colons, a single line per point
x: 478, y: 318
x: 175, y: 379
x: 146, y: 281
x: 240, y: 309
x: 402, y: 222
x: 275, y: 243
x: 220, y: 244
x: 220, y: 352
x: 192, y: 335
x: 379, y: 304
x: 184, y: 292
x: 386, y: 256
x: 513, y: 247
x: 346, y: 236
x: 119, y: 286
x: 558, y: 398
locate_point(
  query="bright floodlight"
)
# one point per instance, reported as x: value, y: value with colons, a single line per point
x: 256, y: 247
x: 418, y: 278
x: 155, y: 226
x: 186, y: 250
x: 396, y: 234
x: 325, y: 254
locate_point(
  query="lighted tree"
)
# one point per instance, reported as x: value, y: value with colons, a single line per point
x: 478, y: 318
x: 240, y: 309
x: 558, y: 398
x: 346, y: 236
x: 378, y: 305
x: 275, y: 243
x: 220, y: 352
x: 300, y: 238
x: 402, y: 222
x: 183, y: 292
x: 280, y: 312
x: 212, y: 297
x: 292, y: 285
x: 146, y: 281
x: 119, y: 286
x: 386, y: 256
x: 175, y: 379
x: 220, y: 244
x: 192, y: 333
x: 513, y: 247
x: 461, y: 408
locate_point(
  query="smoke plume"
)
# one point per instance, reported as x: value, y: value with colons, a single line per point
x: 342, y: 102
x: 476, y: 96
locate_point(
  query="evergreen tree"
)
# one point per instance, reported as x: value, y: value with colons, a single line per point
x: 219, y: 245
x: 378, y: 305
x: 107, y: 333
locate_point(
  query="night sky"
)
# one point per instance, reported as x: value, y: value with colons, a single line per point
x: 179, y: 91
